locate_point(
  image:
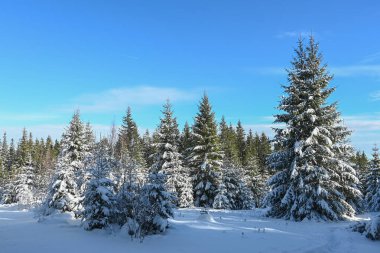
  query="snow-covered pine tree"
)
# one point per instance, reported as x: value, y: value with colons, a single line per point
x: 264, y: 149
x: 125, y: 176
x: 222, y: 199
x: 205, y: 159
x: 371, y: 228
x: 129, y: 139
x: 168, y: 161
x: 372, y: 197
x: 155, y: 206
x: 240, y: 143
x: 185, y: 143
x: 9, y: 190
x: 99, y: 196
x: 228, y: 143
x: 361, y: 166
x: 227, y: 188
x: 314, y: 181
x: 89, y: 137
x: 45, y: 170
x: 148, y: 148
x: 233, y: 191
x: 129, y: 146
x: 256, y: 178
x: 25, y: 184
x: 64, y: 193
x: 23, y: 149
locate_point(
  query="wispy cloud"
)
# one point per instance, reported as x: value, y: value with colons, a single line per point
x: 26, y: 117
x: 268, y: 70
x: 294, y: 34
x: 363, y: 123
x: 39, y: 131
x: 375, y: 57
x: 366, y: 130
x: 375, y: 96
x: 356, y: 70
x: 119, y: 98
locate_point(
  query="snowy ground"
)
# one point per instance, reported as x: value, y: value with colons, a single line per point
x: 227, y: 231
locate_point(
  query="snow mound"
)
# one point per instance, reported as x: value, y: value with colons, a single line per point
x: 206, y: 217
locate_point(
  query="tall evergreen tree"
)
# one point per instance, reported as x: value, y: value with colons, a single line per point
x: 148, y: 148
x: 129, y: 139
x: 25, y: 184
x: 372, y: 197
x: 64, y: 194
x: 228, y: 143
x: 23, y: 149
x: 168, y: 161
x: 240, y: 142
x: 264, y: 149
x: 155, y: 206
x: 233, y: 191
x: 206, y: 158
x: 314, y: 179
x: 185, y: 142
x: 361, y: 164
x: 99, y: 197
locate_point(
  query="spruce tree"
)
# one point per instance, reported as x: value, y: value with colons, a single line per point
x: 98, y: 196
x: 205, y: 158
x: 64, y: 193
x: 155, y: 206
x: 129, y: 140
x: 361, y: 164
x: 4, y: 152
x: 264, y: 149
x: 148, y: 148
x: 185, y: 144
x: 240, y: 142
x: 228, y: 143
x: 314, y: 179
x: 23, y: 149
x: 25, y: 184
x: 233, y: 191
x: 126, y: 179
x: 168, y: 161
x: 9, y: 190
x: 257, y: 177
x: 372, y: 197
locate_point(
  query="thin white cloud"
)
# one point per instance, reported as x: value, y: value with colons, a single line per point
x: 294, y: 34
x: 38, y: 131
x: 119, y: 98
x: 363, y: 123
x: 371, y: 58
x: 356, y: 70
x: 26, y: 116
x: 268, y: 70
x: 366, y: 130
x: 375, y: 96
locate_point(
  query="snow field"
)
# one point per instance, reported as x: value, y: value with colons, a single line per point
x: 222, y: 231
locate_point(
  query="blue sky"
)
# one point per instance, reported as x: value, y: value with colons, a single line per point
x: 101, y: 56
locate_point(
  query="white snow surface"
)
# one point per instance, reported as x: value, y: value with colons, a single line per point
x: 228, y: 231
